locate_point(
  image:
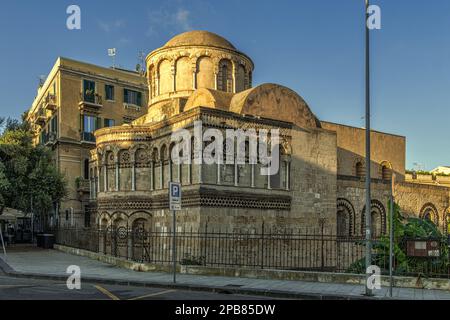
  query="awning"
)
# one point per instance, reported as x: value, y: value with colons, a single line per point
x: 11, y: 215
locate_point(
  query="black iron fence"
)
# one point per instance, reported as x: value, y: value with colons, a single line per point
x: 287, y: 250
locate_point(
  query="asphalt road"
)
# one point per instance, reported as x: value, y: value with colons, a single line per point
x: 34, y: 289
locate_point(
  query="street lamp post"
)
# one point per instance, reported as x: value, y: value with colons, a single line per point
x: 368, y: 160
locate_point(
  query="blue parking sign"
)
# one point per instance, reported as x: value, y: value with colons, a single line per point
x: 175, y: 196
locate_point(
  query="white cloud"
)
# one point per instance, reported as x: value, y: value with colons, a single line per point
x: 169, y: 20
x: 111, y: 26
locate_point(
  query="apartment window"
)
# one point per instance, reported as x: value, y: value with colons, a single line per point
x: 90, y: 125
x: 109, y: 123
x: 89, y: 91
x: 132, y: 97
x: 109, y: 92
x: 54, y: 125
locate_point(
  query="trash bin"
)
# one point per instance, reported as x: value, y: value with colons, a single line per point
x: 45, y: 241
x: 39, y: 240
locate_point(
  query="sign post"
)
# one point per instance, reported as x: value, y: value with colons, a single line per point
x: 175, y: 205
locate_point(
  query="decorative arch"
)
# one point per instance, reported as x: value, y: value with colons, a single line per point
x: 165, y: 76
x: 429, y: 211
x: 345, y: 217
x: 225, y: 76
x: 163, y: 153
x: 385, y: 170
x: 359, y: 168
x: 205, y: 72
x: 104, y: 221
x: 183, y: 73
x: 140, y: 215
x: 378, y: 215
x: 119, y: 219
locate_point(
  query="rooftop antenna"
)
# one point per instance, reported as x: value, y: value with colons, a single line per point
x: 140, y: 67
x: 112, y: 54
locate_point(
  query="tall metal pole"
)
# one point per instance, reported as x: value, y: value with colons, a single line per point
x: 174, y: 246
x: 368, y: 160
x: 391, y: 237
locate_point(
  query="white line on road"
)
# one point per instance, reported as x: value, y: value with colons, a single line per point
x: 153, y: 294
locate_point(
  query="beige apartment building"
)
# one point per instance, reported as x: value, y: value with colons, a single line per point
x: 75, y: 100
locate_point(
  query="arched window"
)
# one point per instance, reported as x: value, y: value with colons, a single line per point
x: 429, y: 212
x: 225, y: 77
x: 386, y: 172
x: 359, y: 169
x: 378, y: 217
x: 342, y: 224
x: 345, y: 216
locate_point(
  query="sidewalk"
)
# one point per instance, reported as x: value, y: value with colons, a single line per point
x: 52, y: 264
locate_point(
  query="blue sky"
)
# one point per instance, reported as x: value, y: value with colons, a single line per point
x: 314, y: 47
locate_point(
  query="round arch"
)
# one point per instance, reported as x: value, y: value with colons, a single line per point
x: 430, y: 212
x: 378, y: 215
x: 345, y: 217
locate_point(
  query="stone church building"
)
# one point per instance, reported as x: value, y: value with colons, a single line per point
x: 200, y: 76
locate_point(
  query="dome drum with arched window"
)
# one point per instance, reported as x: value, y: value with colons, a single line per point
x: 195, y: 60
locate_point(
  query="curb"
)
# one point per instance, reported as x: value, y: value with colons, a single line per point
x: 8, y: 270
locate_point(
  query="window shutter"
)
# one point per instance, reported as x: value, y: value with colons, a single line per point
x: 139, y: 98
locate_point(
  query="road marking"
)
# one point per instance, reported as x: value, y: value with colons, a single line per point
x: 106, y: 292
x: 153, y: 294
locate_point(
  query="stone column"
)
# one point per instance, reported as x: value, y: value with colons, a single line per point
x: 117, y: 175
x: 90, y: 189
x: 157, y: 85
x: 98, y: 179
x: 190, y: 173
x: 219, y: 182
x: 161, y: 168
x: 268, y: 180
x: 200, y: 178
x: 253, y: 175
x: 105, y: 177
x: 236, y: 174
x: 170, y: 171
x: 93, y: 187
x: 152, y: 177
x: 288, y: 169
x: 215, y: 81
x: 133, y: 177
x: 234, y: 77
x: 194, y: 80
x: 179, y: 173
x: 174, y: 78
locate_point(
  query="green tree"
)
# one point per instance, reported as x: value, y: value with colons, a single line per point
x: 26, y: 171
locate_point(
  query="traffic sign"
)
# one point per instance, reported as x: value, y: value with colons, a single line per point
x: 175, y: 196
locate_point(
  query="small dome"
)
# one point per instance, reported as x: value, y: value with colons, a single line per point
x: 199, y: 38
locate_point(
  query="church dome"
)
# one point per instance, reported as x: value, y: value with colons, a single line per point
x: 199, y: 38
x: 194, y: 60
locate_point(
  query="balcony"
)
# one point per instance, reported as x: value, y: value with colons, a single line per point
x: 82, y: 185
x: 132, y: 107
x: 90, y: 102
x: 50, y: 139
x: 40, y: 118
x: 50, y: 102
